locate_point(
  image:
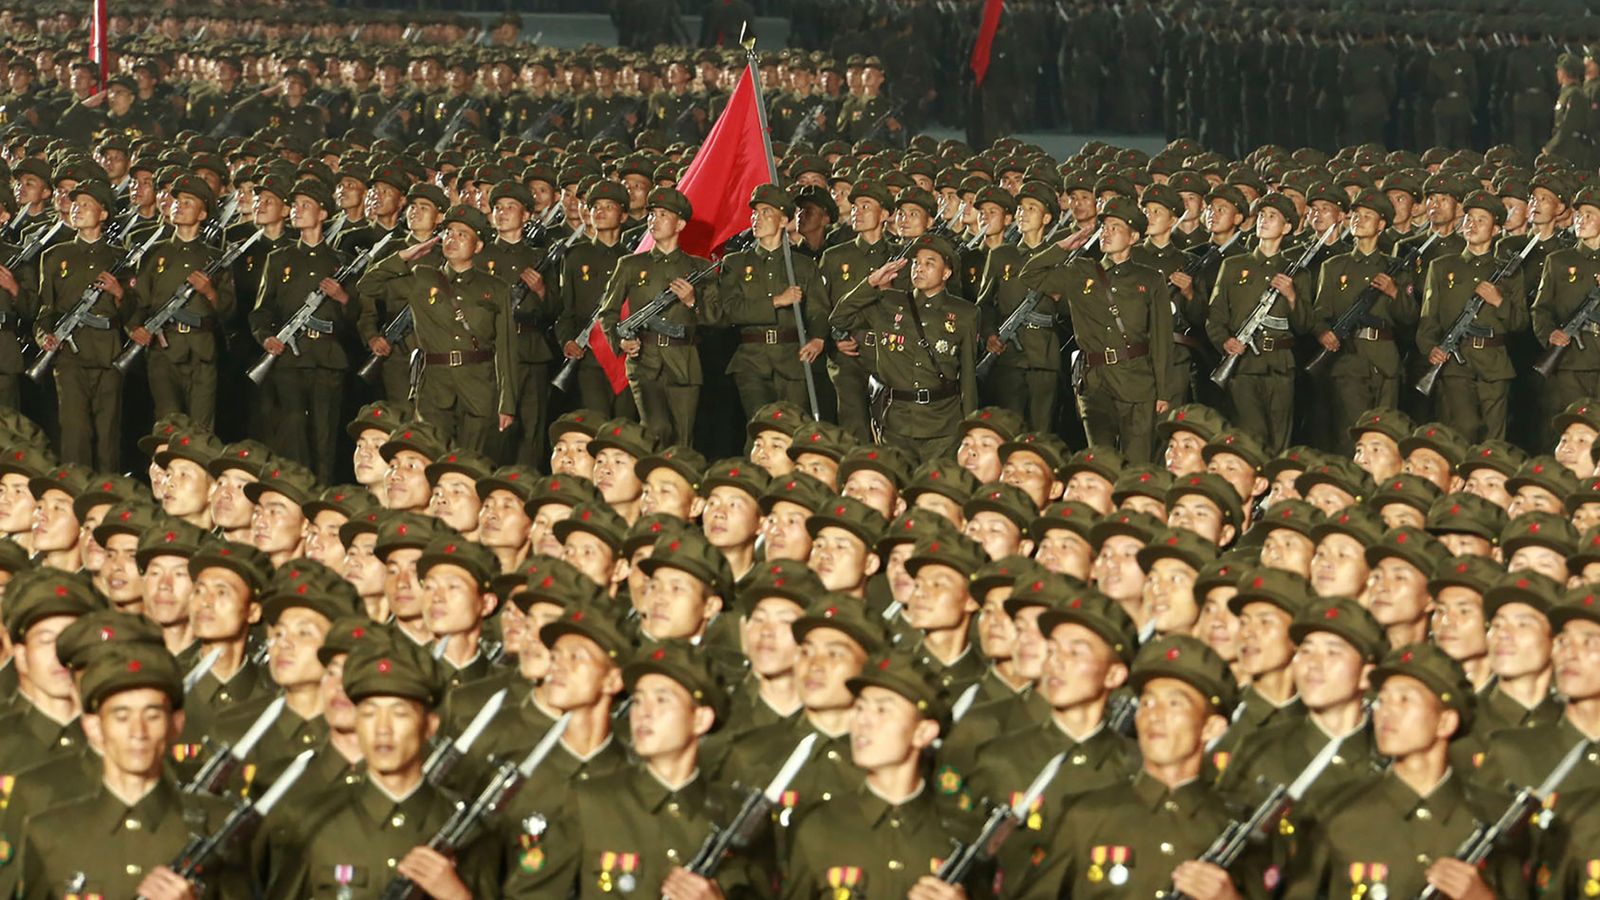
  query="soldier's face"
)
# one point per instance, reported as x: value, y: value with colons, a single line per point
x: 615, y: 477
x: 84, y: 212
x: 31, y: 190
x: 401, y: 585
x: 1516, y: 212
x: 874, y: 489
x: 17, y: 504
x: 278, y: 526
x: 785, y: 531
x: 840, y: 559
x: 454, y: 602
x: 1544, y: 206
x: 769, y: 449
x: 1394, y: 515
x: 1160, y: 218
x: 678, y: 606
x: 541, y: 531
x: 1532, y: 498
x: 19, y: 79
x: 819, y: 466
x: 767, y: 636
x: 1264, y: 644
x: 306, y: 213
x: 941, y: 599
x: 362, y: 568
x: 1089, y: 489
x: 1431, y: 465
x: 664, y: 225
x: 912, y: 220
x: 269, y: 209
x: 732, y: 517
x: 187, y: 489
x: 1457, y: 624
x: 422, y: 216
x: 336, y: 706
x: 1402, y: 203
x: 1378, y: 454
x: 664, y: 717
x: 826, y: 660
x: 37, y: 664
x: 580, y: 671
x: 1168, y: 596
x: 1328, y: 671
x: 1171, y: 719
x: 322, y: 538
x: 997, y: 633
x: 133, y: 728
x: 1116, y: 569
x: 994, y: 218
x: 1116, y: 236
x: 866, y: 214
x: 1586, y: 223
x: 406, y: 484
x: 223, y: 606
x: 1078, y: 667
x: 1183, y: 454
x: 1201, y: 515
x: 94, y: 555
x: 1065, y: 552
x: 1572, y: 451
x: 942, y: 506
x: 1364, y: 223
x: 887, y: 730
x: 1397, y: 593
x: 667, y: 492
x: 508, y: 215
x: 1222, y: 217
x: 592, y: 556
x: 570, y: 455
x: 1443, y: 209
x: 120, y: 574
x: 1543, y: 560
x: 1288, y: 550
x: 1339, y: 566
x: 1218, y: 626
x: 393, y: 732
x: 1586, y: 516
x: 167, y: 590
x: 999, y: 535
x: 1576, y: 655
x: 369, y: 465
x: 502, y: 521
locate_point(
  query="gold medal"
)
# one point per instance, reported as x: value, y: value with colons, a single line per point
x: 1591, y: 888
x: 1096, y: 874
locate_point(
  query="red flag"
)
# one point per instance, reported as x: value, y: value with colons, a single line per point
x: 985, y: 42
x: 730, y: 165
x: 99, y: 43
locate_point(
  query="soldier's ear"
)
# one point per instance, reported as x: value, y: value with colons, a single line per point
x: 93, y: 732
x: 1366, y: 678
x: 1226, y: 535
x: 433, y: 723
x: 704, y: 718
x: 254, y: 615
x: 1116, y: 675
x: 178, y: 718
x: 1216, y: 726
x: 873, y: 563
x: 924, y: 733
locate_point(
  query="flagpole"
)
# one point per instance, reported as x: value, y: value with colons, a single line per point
x: 788, y: 252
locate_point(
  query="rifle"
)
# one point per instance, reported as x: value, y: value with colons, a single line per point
x: 1022, y: 316
x: 756, y: 809
x: 1345, y: 326
x: 214, y: 230
x: 193, y: 676
x: 448, y: 753
x: 173, y: 309
x: 305, y: 318
x: 34, y: 247
x: 651, y: 316
x: 618, y: 126
x: 1587, y: 314
x: 1463, y: 326
x: 540, y: 126
x: 1475, y: 849
x: 192, y: 859
x: 221, y: 766
x: 80, y: 316
x: 1260, y: 318
x: 457, y: 122
x: 881, y: 121
x: 1003, y: 820
x: 1237, y: 834
x: 391, y: 116
x: 13, y: 227
x: 808, y: 123
x: 507, y: 780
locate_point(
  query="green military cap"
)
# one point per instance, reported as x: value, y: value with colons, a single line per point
x: 649, y: 529
x: 957, y: 552
x: 936, y: 244
x: 1391, y: 423
x: 34, y: 166
x: 685, y: 664
x: 1140, y: 526
x: 133, y: 516
x: 80, y: 641
x: 823, y: 439
x: 1340, y: 472
x: 998, y: 196
x: 1411, y: 545
x: 1588, y: 196
x: 1003, y: 572
x: 1146, y: 480
x: 779, y: 415
x: 817, y: 196
x: 1066, y: 515
x: 621, y: 434
x: 1544, y: 472
x: 471, y: 217
x: 1229, y: 194
x: 596, y: 519
x: 1007, y: 423
x: 1526, y: 587
x: 163, y: 430
x: 1510, y: 184
x: 1007, y: 500
x: 943, y: 477
x: 1164, y: 195
x: 287, y: 478
x: 1180, y: 544
x: 1476, y: 573
x: 276, y: 185
x: 425, y: 190
x: 307, y: 584
x: 1288, y: 591
x: 914, y: 527
x: 515, y: 190
x: 1570, y: 64
x: 40, y: 593
x: 607, y: 190
x: 1295, y: 459
x: 888, y: 461
x: 1238, y: 443
x: 787, y: 579
x: 96, y: 190
x: 845, y: 614
x: 1295, y: 515
x: 797, y: 488
x: 1539, y: 529
x: 196, y: 187
x: 1327, y: 193
x: 1188, y: 660
x: 1436, y: 670
x: 1041, y: 193
x: 1579, y: 412
x: 346, y: 633
x: 544, y: 579
x: 689, y: 551
x: 393, y: 669
x: 195, y: 445
x: 773, y: 196
x: 171, y: 538
x: 1126, y: 209
x: 1355, y: 521
x: 1214, y: 488
x: 348, y: 500
x: 418, y: 437
x: 1400, y: 180
x: 244, y: 560
x: 895, y: 179
x: 736, y: 472
x: 470, y: 463
x: 1577, y: 604
x: 69, y: 478
x: 14, y: 557
x: 871, y: 189
x: 1053, y: 450
x: 18, y: 429
x: 1442, y: 183
x: 33, y: 462
x: 1281, y: 203
x: 590, y: 619
x: 849, y: 514
x: 1343, y: 617
x: 317, y: 190
x: 1224, y: 570
x: 899, y: 673
x: 1186, y: 181
x: 672, y: 200
x: 447, y: 549
x: 127, y: 667
x: 1193, y: 417
x: 404, y: 530
x: 1501, y: 456
x: 1487, y: 202
x: 1103, y: 461
x: 1115, y: 184
x: 579, y: 421
x: 1464, y: 513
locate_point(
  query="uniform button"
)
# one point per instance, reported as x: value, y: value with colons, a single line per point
x: 1422, y: 859
x: 1338, y: 760
x: 132, y: 824
x: 223, y: 697
x: 894, y: 823
x: 389, y: 862
x: 306, y: 738
x: 672, y: 808
x: 1594, y: 757
x: 132, y: 869
x: 896, y: 865
x: 1170, y: 806
x: 827, y: 795
x: 1079, y: 759
x: 1166, y: 848
x: 833, y: 756
x: 672, y: 853
x: 1423, y: 814
x: 66, y: 740
x: 397, y: 819
x: 583, y: 776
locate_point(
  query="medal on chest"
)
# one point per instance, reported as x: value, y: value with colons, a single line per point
x: 749, y: 273
x: 344, y: 875
x: 844, y: 271
x: 1449, y: 279
x: 584, y: 270
x: 643, y: 274
x: 1572, y: 274
x: 287, y: 271
x: 950, y: 323
x: 433, y: 296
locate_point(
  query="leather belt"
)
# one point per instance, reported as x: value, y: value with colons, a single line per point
x: 458, y: 358
x: 865, y: 338
x: 1373, y: 334
x: 1269, y: 344
x: 1485, y: 343
x: 1093, y: 358
x: 769, y: 336
x: 1186, y: 340
x: 203, y: 325
x: 925, y: 395
x: 663, y: 340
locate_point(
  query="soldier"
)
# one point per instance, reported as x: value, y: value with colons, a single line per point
x: 467, y: 384
x: 1027, y: 369
x: 843, y: 268
x: 44, y: 717
x: 756, y: 296
x: 1473, y: 396
x: 517, y: 262
x: 227, y: 578
x: 585, y: 271
x: 1570, y: 133
x: 927, y: 381
x: 663, y: 368
x: 1564, y: 285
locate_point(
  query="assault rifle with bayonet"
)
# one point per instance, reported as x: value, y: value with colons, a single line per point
x: 1025, y: 317
x: 1359, y: 315
x: 1261, y: 318
x: 1465, y: 326
x: 79, y: 316
x: 305, y: 318
x: 173, y: 310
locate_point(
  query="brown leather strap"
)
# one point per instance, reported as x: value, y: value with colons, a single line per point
x: 1373, y: 334
x: 769, y: 336
x: 1483, y: 343
x: 458, y: 358
x: 663, y: 340
x: 1269, y: 344
x: 926, y: 395
x: 1113, y: 357
x: 1187, y: 340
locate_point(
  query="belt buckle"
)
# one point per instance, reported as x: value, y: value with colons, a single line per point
x: 312, y: 334
x: 772, y: 335
x: 455, y: 359
x: 661, y: 341
x: 924, y: 396
x: 1477, y: 342
x: 1367, y: 334
x: 184, y: 329
x: 1268, y: 344
x: 1111, y: 357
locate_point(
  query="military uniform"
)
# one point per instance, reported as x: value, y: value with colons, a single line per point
x: 1188, y: 317
x: 766, y: 367
x: 1565, y: 282
x: 1472, y: 397
x: 866, y: 846
x: 1262, y: 388
x: 1025, y: 378
x: 377, y: 311
x: 585, y: 271
x: 844, y: 267
x: 14, y: 310
x: 533, y: 318
x: 1570, y: 133
x: 1366, y: 372
x: 183, y: 358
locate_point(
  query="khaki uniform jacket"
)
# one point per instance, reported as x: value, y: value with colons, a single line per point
x: 532, y: 316
x: 163, y: 272
x: 1115, y: 307
x: 1239, y: 285
x: 1340, y: 282
x: 745, y: 288
x: 902, y: 363
x: 291, y: 273
x: 1451, y: 282
x: 639, y: 279
x: 1569, y: 863
x: 16, y: 309
x: 1001, y: 290
x: 1565, y: 282
x: 65, y: 271
x: 585, y: 271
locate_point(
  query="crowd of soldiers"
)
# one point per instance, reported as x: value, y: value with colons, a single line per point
x: 1089, y: 513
